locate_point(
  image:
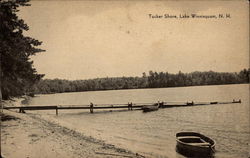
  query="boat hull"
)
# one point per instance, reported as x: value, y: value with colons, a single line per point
x: 149, y: 108
x: 186, y: 146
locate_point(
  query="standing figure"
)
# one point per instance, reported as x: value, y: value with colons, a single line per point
x: 130, y: 106
x: 91, y: 107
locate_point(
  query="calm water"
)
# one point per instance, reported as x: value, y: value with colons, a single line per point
x: 153, y: 134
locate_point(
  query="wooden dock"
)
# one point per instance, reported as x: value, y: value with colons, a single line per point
x: 129, y: 106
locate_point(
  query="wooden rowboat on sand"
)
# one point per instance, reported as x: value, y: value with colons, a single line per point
x: 194, y: 144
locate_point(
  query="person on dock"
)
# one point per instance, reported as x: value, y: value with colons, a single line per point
x: 130, y: 106
x: 161, y: 104
x: 91, y: 107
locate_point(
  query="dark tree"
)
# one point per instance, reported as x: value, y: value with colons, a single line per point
x: 17, y: 72
x: 245, y: 75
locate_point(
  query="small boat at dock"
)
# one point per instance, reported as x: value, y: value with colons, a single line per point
x: 237, y: 101
x: 148, y: 108
x: 215, y: 102
x: 194, y: 144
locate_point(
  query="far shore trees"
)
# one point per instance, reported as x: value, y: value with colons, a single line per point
x: 152, y: 80
x: 17, y: 71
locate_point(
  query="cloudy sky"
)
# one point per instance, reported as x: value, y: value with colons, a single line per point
x: 90, y: 39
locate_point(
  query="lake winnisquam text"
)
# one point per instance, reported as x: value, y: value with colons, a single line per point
x: 187, y: 16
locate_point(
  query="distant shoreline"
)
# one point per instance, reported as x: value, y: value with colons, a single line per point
x: 150, y: 80
x: 139, y: 88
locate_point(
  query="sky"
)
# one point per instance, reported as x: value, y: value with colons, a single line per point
x: 93, y: 39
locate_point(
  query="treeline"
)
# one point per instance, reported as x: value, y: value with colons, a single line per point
x: 158, y: 80
x: 150, y: 80
x: 60, y: 86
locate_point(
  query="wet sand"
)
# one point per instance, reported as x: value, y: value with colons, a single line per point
x: 29, y: 136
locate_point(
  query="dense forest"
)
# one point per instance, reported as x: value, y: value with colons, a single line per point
x: 150, y: 80
x: 17, y: 72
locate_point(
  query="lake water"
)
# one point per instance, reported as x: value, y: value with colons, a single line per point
x: 153, y: 134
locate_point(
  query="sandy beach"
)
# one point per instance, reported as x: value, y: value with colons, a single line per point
x: 30, y: 136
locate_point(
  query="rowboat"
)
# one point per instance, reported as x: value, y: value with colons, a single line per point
x: 215, y: 102
x: 148, y: 108
x: 194, y: 144
x: 234, y: 101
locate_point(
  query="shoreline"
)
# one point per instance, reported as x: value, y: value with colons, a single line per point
x: 31, y: 136
x: 38, y: 94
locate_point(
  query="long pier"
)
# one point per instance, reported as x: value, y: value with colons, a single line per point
x: 129, y: 106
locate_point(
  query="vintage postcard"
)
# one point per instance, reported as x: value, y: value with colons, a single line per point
x: 112, y: 78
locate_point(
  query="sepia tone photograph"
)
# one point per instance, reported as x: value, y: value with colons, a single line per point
x: 124, y: 79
